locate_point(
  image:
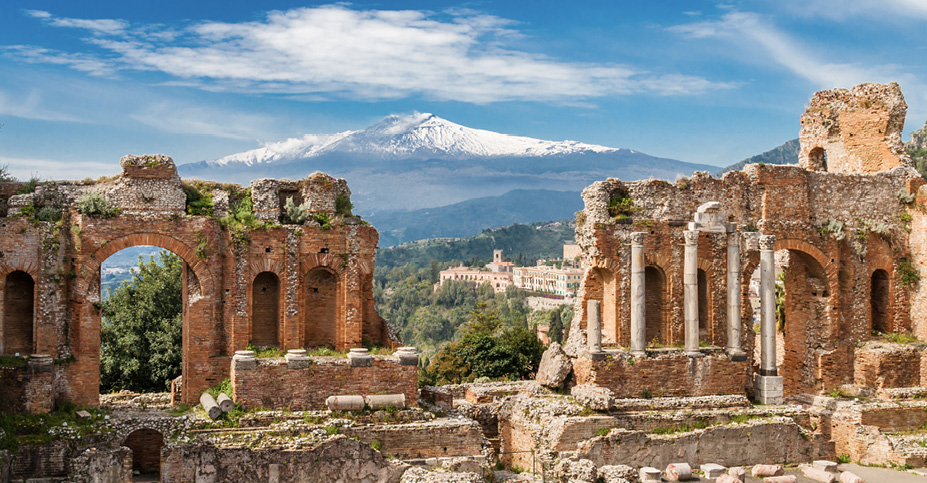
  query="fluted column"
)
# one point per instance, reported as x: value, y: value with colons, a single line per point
x: 690, y: 292
x: 638, y: 300
x: 767, y: 305
x: 734, y: 300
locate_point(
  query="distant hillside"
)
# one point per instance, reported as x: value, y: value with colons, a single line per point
x: 785, y: 154
x: 531, y: 241
x: 473, y: 216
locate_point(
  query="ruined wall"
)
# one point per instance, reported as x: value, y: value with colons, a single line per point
x: 666, y: 374
x: 272, y: 383
x: 854, y: 130
x: 433, y: 439
x: 53, y: 237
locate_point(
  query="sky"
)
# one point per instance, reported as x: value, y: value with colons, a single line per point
x: 84, y: 83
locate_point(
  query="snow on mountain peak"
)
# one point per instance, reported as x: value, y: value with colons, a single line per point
x: 414, y: 135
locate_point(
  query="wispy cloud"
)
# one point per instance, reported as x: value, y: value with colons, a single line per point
x: 338, y: 52
x: 188, y: 119
x: 751, y: 31
x: 31, y: 106
x: 896, y: 10
x: 25, y: 168
x: 77, y: 61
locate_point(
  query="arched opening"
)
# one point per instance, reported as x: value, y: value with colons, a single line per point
x: 142, y: 309
x: 880, y: 302
x: 322, y: 309
x: 146, y: 447
x: 817, y: 159
x: 703, y: 308
x: 18, y: 313
x: 654, y: 286
x: 265, y: 310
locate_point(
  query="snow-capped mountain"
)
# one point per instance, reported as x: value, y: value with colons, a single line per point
x: 422, y: 161
x: 416, y: 135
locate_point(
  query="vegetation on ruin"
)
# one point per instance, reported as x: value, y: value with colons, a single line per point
x: 18, y: 429
x: 96, y: 205
x: 487, y: 349
x: 343, y: 205
x: 908, y: 273
x: 29, y: 186
x: 199, y: 197
x: 896, y: 337
x: 621, y: 205
x: 141, y: 332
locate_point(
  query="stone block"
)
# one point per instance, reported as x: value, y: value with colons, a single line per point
x: 244, y: 361
x: 649, y: 474
x: 407, y: 356
x: 593, y: 397
x: 847, y: 477
x: 818, y: 474
x: 738, y: 472
x: 617, y: 473
x: 726, y: 478
x: 781, y: 479
x: 296, y: 359
x: 768, y: 389
x: 824, y: 465
x: 712, y: 470
x: 555, y: 366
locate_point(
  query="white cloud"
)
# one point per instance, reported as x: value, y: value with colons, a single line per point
x: 895, y: 10
x: 31, y: 106
x: 337, y: 52
x: 751, y: 31
x: 191, y: 119
x: 38, y: 55
x: 25, y: 168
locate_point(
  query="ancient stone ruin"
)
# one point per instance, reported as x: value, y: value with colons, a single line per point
x: 280, y: 263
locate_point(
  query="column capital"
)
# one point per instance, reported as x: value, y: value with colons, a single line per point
x: 733, y: 238
x: 637, y: 237
x: 767, y: 242
x: 691, y: 237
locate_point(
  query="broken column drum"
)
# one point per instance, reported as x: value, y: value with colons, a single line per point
x: 594, y: 329
x: 690, y: 292
x: 638, y: 300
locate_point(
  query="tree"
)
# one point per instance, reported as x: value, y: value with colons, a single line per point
x: 555, y: 332
x: 141, y: 334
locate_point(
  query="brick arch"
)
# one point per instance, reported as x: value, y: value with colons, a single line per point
x: 327, y: 260
x: 265, y: 265
x: 92, y: 265
x: 830, y: 268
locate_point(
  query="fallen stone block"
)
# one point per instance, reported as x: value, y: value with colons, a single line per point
x: 678, y: 471
x: 847, y: 477
x: 345, y: 403
x: 83, y: 414
x: 649, y: 474
x: 738, y: 472
x: 616, y: 473
x: 818, y: 475
x: 712, y: 470
x: 576, y: 470
x: 593, y: 397
x: 210, y: 405
x: 760, y: 471
x: 781, y: 479
x: 555, y: 366
x: 225, y: 402
x: 726, y: 478
x: 828, y: 466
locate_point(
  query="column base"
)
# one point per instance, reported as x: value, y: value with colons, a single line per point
x: 597, y: 356
x: 768, y: 389
x: 695, y: 353
x: 638, y: 353
x: 736, y: 354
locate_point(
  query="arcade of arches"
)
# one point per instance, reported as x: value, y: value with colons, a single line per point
x: 290, y: 286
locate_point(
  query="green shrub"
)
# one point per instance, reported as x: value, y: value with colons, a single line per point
x: 620, y: 204
x: 199, y: 199
x: 343, y: 205
x: 843, y: 458
x: 909, y: 274
x: 28, y: 186
x: 48, y: 213
x: 96, y: 205
x: 295, y: 214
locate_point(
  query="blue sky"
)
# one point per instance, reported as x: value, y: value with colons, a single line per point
x: 84, y: 83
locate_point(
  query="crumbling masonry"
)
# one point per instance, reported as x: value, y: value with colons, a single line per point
x: 267, y: 280
x: 670, y: 265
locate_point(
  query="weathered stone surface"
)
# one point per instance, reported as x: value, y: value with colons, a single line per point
x: 593, y: 397
x: 781, y: 479
x: 649, y: 474
x: 419, y: 475
x: 759, y: 471
x: 617, y: 473
x: 210, y: 405
x: 712, y: 470
x: 824, y: 465
x: 678, y: 472
x: 225, y: 402
x: 578, y: 470
x: 555, y: 366
x: 737, y: 472
x: 848, y: 477
x: 818, y: 474
x: 726, y: 478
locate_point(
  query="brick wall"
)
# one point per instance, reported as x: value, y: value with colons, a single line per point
x: 146, y: 447
x: 272, y: 385
x: 669, y: 374
x: 882, y: 365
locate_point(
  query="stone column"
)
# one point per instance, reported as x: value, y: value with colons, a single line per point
x: 638, y: 300
x: 594, y: 329
x: 690, y: 292
x: 734, y: 323
x: 767, y: 383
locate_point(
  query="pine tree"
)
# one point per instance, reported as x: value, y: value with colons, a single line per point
x: 555, y: 332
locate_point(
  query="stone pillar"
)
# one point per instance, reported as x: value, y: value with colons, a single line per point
x: 734, y: 323
x: 690, y: 292
x: 594, y: 329
x: 767, y: 383
x: 638, y: 300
